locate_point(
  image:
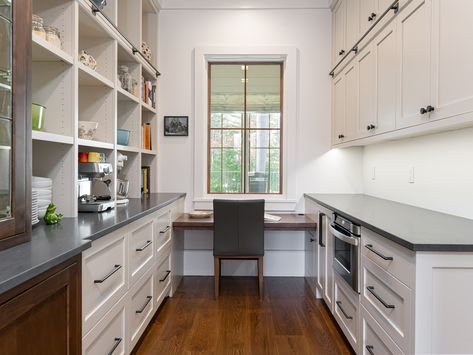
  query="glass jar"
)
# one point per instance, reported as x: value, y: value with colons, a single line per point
x: 38, y: 26
x: 53, y: 36
x: 126, y: 81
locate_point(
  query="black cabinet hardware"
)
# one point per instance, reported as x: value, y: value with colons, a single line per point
x: 341, y: 136
x: 423, y: 111
x: 370, y: 127
x: 321, y: 232
x: 372, y: 17
x: 386, y: 305
x: 342, y: 52
x: 370, y: 349
x: 370, y: 248
x: 165, y: 230
x: 312, y: 240
x: 165, y: 277
x: 339, y: 304
x: 117, y: 342
x: 148, y: 300
x: 430, y: 108
x: 115, y: 269
x: 355, y: 49
x: 148, y: 243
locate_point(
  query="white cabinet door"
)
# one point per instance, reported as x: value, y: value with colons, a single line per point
x: 338, y: 109
x: 384, y: 46
x: 368, y: 14
x: 321, y: 256
x: 329, y: 282
x: 414, y: 26
x: 339, y: 30
x: 452, y: 56
x: 350, y: 75
x: 353, y: 23
x: 366, y: 62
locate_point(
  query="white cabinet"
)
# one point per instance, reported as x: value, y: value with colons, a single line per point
x: 353, y: 23
x: 324, y: 257
x: 339, y: 30
x: 338, y: 109
x: 368, y: 14
x: 140, y: 249
x: 346, y: 310
x: 414, y: 28
x: 366, y: 62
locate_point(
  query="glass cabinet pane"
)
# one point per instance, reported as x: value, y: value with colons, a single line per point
x: 5, y: 8
x: 5, y: 168
x: 5, y: 67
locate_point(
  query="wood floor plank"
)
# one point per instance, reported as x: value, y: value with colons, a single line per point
x: 289, y: 320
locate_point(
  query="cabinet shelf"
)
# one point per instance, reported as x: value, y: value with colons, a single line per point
x: 126, y: 148
x: 124, y: 95
x: 89, y: 77
x: 94, y: 144
x: 148, y: 107
x: 43, y: 51
x: 52, y: 137
x: 149, y: 152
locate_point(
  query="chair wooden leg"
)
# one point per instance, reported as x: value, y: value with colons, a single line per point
x: 260, y: 277
x: 216, y: 275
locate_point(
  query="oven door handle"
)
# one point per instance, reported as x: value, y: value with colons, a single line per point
x: 347, y: 239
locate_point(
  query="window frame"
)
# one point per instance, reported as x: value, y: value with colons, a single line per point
x: 245, y: 129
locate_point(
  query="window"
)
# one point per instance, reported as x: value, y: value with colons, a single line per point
x: 245, y: 113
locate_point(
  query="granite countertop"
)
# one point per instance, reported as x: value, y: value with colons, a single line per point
x: 52, y: 245
x: 415, y: 228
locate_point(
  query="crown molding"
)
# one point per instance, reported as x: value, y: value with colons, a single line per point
x: 243, y: 4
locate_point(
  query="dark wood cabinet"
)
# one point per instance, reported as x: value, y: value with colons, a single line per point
x: 15, y: 122
x: 43, y: 316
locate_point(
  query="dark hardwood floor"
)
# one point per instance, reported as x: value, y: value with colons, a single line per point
x: 288, y: 321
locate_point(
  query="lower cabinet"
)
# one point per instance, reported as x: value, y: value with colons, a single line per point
x: 42, y: 316
x: 346, y: 310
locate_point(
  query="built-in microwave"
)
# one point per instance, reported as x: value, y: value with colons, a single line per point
x: 347, y: 250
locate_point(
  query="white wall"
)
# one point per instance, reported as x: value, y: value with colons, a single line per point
x: 443, y: 171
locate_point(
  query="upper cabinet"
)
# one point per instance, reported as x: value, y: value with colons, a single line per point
x: 339, y: 30
x: 15, y: 122
x: 412, y: 71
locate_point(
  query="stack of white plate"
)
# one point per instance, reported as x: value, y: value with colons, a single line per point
x: 34, y: 207
x: 44, y: 187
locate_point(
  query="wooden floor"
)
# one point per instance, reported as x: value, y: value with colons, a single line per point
x: 288, y: 321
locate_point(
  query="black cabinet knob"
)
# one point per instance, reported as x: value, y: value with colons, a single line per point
x: 430, y: 108
x: 342, y: 52
x: 423, y: 111
x: 370, y: 127
x: 372, y: 17
x: 341, y: 136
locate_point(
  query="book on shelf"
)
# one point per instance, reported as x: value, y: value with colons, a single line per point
x: 146, y: 136
x: 145, y: 180
x: 148, y: 92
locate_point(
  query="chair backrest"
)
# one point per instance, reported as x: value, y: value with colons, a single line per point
x: 238, y: 227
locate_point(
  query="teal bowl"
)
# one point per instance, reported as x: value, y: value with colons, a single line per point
x: 123, y: 136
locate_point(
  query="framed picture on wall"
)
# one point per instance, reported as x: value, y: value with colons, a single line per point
x: 176, y: 126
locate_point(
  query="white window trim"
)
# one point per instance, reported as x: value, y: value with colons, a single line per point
x: 289, y: 55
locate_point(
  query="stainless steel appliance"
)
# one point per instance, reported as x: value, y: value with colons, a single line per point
x: 347, y: 250
x: 94, y: 182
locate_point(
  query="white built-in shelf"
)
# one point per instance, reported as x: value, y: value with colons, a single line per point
x: 95, y: 144
x: 124, y: 95
x: 43, y: 51
x: 89, y: 77
x: 149, y: 152
x: 52, y: 137
x: 148, y: 107
x: 127, y: 148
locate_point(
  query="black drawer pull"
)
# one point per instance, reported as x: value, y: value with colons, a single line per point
x: 371, y: 290
x: 148, y: 243
x: 321, y: 232
x: 165, y: 277
x: 115, y: 269
x: 370, y: 248
x: 370, y: 348
x: 148, y: 300
x: 339, y: 304
x: 165, y: 230
x: 117, y: 342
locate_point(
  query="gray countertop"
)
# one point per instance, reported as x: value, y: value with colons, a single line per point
x: 415, y: 228
x: 52, y: 245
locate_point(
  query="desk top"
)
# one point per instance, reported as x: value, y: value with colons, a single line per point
x: 296, y: 222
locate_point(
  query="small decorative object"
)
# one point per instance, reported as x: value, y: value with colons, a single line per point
x: 146, y: 51
x: 126, y: 81
x: 87, y: 129
x: 96, y: 157
x: 87, y: 60
x: 123, y: 136
x: 38, y: 26
x: 176, y: 126
x: 100, y: 4
x: 83, y: 157
x: 37, y: 116
x: 53, y: 36
x: 134, y: 87
x: 51, y: 217
x: 200, y: 214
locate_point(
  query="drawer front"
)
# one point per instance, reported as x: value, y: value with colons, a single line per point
x: 109, y: 335
x: 345, y: 310
x: 163, y: 226
x: 141, y: 306
x: 163, y: 277
x: 398, y: 261
x: 389, y: 301
x: 103, y: 278
x: 375, y: 339
x: 141, y: 251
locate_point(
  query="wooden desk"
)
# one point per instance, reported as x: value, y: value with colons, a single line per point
x: 293, y: 222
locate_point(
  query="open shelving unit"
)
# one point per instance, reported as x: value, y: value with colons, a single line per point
x: 73, y: 92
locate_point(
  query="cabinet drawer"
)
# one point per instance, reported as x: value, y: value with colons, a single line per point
x: 141, y: 250
x: 103, y: 278
x: 388, y: 300
x: 345, y: 310
x: 141, y: 305
x: 391, y: 257
x: 163, y: 226
x: 375, y: 339
x: 109, y: 335
x: 163, y: 277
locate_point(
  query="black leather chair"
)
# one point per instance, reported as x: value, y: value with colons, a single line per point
x: 238, y: 234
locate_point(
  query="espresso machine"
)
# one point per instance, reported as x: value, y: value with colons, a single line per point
x: 95, y: 194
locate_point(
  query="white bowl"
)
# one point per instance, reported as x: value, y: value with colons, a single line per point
x: 87, y: 129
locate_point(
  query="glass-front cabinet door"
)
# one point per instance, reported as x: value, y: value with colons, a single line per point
x: 15, y: 139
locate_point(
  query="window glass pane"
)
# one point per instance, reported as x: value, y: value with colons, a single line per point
x: 215, y: 138
x: 216, y: 120
x: 231, y: 168
x: 227, y: 90
x: 231, y: 138
x: 274, y: 172
x: 5, y: 168
x: 275, y: 120
x: 263, y: 88
x: 275, y: 140
x: 259, y: 139
x: 5, y: 8
x: 233, y: 120
x: 258, y: 120
x: 258, y: 175
x: 5, y: 68
x: 215, y: 182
